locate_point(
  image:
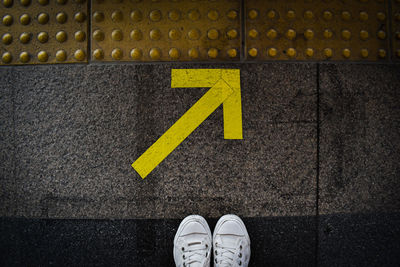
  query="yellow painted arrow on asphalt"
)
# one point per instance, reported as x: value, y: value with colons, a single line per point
x: 225, y: 89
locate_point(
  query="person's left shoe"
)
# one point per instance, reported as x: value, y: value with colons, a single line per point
x: 192, y: 243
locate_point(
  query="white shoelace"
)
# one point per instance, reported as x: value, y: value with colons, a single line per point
x: 225, y: 255
x: 195, y: 253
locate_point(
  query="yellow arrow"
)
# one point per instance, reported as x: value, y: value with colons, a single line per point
x: 220, y: 92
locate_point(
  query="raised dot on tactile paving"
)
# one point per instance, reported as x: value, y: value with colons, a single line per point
x: 382, y: 53
x: 174, y: 53
x: 232, y: 14
x: 213, y: 15
x: 43, y: 18
x: 232, y: 52
x: 43, y: 2
x: 327, y: 15
x: 79, y: 55
x: 212, y: 34
x: 42, y: 56
x: 136, y: 15
x: 8, y: 20
x: 381, y: 16
x: 381, y: 34
x: 61, y: 36
x: 346, y: 53
x: 364, y: 53
x: 291, y: 34
x: 194, y: 34
x: 193, y: 53
x: 80, y: 17
x: 253, y: 33
x: 253, y: 52
x: 116, y: 35
x: 61, y: 2
x: 136, y: 54
x: 328, y: 52
x: 346, y: 34
x: 80, y: 36
x: 309, y: 34
x: 291, y: 52
x: 272, y: 14
x: 7, y: 3
x: 43, y: 37
x: 136, y: 35
x: 6, y: 57
x: 232, y: 34
x: 155, y: 53
x: 253, y: 14
x: 194, y: 14
x: 117, y: 54
x: 155, y: 34
x: 272, y: 52
x: 363, y: 16
x: 155, y: 15
x: 24, y: 37
x: 174, y: 34
x: 346, y: 15
x: 364, y: 35
x: 25, y: 2
x: 308, y: 14
x: 61, y: 55
x: 98, y: 16
x: 24, y: 57
x: 25, y: 19
x: 98, y: 35
x: 116, y: 16
x: 61, y: 17
x: 212, y: 53
x: 327, y: 34
x: 272, y: 34
x: 397, y: 34
x: 291, y: 14
x: 7, y: 38
x: 174, y: 15
x: 309, y: 52
x: 98, y: 54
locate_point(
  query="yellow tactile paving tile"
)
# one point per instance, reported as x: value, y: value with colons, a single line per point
x: 396, y: 29
x: 43, y: 31
x: 165, y: 30
x: 316, y: 30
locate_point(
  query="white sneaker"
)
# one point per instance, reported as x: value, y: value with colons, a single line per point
x: 231, y: 242
x: 192, y: 243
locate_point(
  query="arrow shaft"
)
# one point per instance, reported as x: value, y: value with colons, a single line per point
x: 182, y: 128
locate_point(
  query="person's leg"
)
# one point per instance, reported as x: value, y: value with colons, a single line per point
x: 231, y: 242
x: 192, y: 243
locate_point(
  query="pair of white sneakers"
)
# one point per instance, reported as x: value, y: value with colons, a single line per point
x: 230, y: 242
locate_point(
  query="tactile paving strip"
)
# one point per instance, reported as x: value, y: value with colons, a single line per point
x: 396, y: 29
x: 173, y: 30
x: 316, y: 30
x: 43, y: 31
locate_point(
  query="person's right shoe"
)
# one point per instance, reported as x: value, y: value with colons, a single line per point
x: 231, y: 242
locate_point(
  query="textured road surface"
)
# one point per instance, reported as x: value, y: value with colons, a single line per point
x: 316, y: 177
